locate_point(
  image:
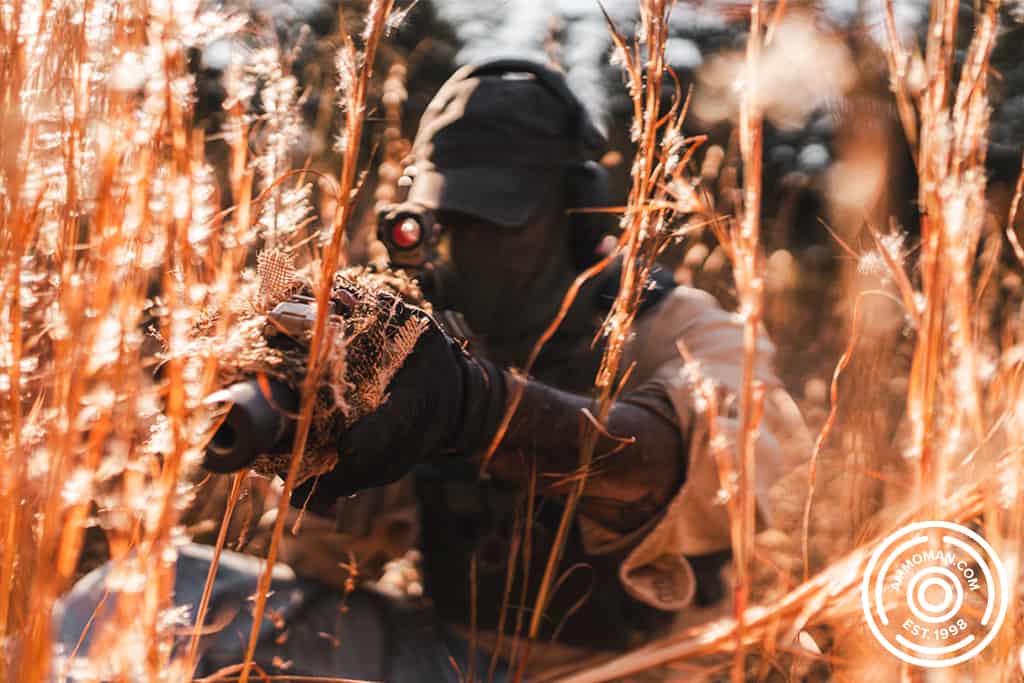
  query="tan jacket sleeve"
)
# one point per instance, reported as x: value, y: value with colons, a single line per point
x: 696, y: 521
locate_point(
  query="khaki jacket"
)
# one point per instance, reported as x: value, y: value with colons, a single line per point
x: 697, y: 519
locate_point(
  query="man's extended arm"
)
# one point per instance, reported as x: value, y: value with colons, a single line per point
x: 638, y: 462
x: 445, y: 404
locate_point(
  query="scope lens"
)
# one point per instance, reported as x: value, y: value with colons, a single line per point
x: 406, y: 233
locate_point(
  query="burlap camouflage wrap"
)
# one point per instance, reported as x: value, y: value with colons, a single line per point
x: 371, y: 329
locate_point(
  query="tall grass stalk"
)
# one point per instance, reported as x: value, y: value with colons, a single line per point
x: 745, y: 251
x: 661, y: 193
x: 355, y: 70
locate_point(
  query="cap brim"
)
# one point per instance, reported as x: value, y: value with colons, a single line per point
x: 506, y: 196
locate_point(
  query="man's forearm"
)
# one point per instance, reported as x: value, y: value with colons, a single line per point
x: 628, y: 481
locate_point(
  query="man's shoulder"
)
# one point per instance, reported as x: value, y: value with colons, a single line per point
x: 695, y: 300
x: 661, y: 296
x: 684, y: 313
x: 659, y: 284
x: 689, y: 323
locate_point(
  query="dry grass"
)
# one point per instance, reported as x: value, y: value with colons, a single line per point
x: 111, y: 223
x: 118, y: 215
x: 963, y: 397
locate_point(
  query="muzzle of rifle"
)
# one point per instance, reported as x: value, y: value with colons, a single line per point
x: 260, y: 420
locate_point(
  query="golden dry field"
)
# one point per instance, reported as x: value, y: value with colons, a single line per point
x: 153, y: 154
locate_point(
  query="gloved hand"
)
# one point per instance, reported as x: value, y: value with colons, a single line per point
x: 442, y: 402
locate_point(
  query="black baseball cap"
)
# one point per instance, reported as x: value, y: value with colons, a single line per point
x: 495, y: 140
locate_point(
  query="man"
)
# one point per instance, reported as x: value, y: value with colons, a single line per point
x: 503, y: 151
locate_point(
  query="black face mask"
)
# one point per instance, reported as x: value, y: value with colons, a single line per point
x: 509, y: 283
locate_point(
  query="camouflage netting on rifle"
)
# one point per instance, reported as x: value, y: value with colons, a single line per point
x: 366, y: 343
